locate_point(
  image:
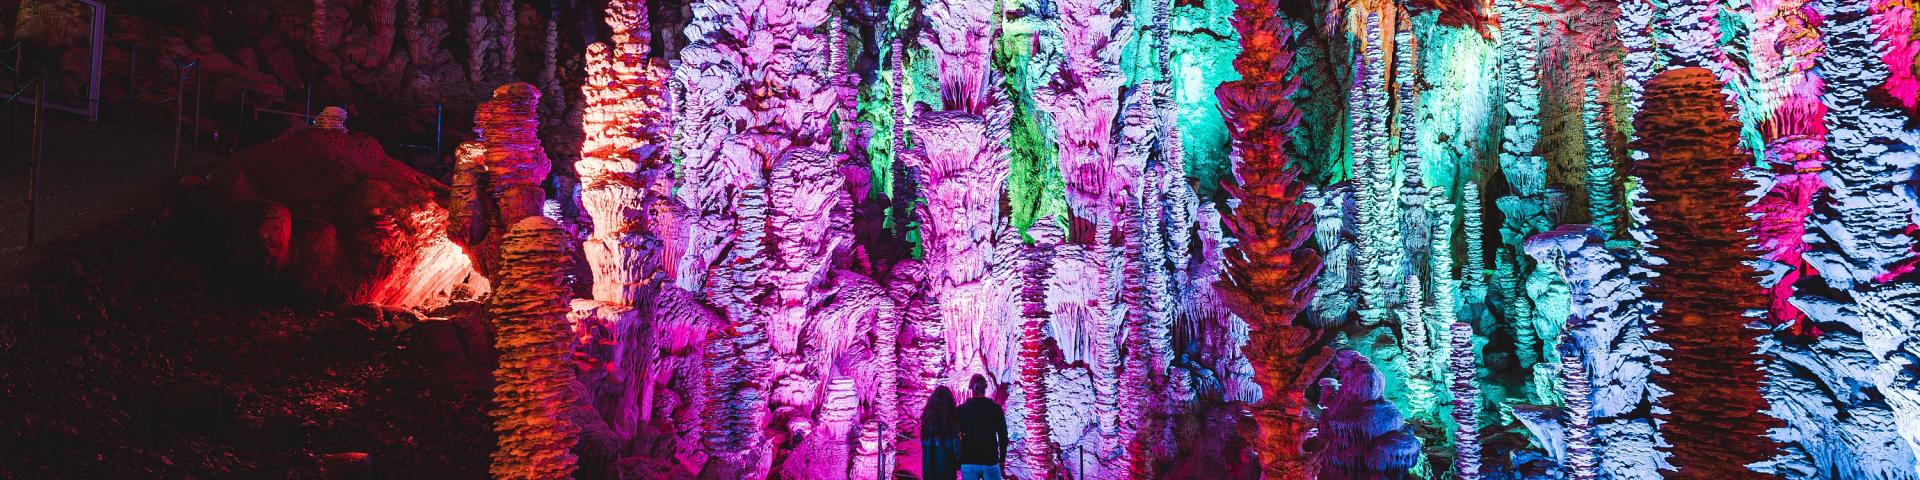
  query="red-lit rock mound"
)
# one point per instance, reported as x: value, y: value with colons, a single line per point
x: 331, y: 213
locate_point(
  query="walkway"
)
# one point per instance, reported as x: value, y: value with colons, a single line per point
x: 94, y: 174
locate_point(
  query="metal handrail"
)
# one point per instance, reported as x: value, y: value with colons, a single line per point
x: 39, y: 83
x: 38, y: 150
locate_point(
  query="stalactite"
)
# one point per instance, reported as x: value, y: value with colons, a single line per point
x: 1083, y: 100
x: 961, y: 171
x: 321, y: 36
x: 381, y: 44
x: 533, y: 387
x: 550, y: 59
x: 1335, y: 211
x: 1688, y: 33
x: 1899, y: 46
x: 960, y: 166
x: 1466, y: 403
x: 960, y: 34
x: 1634, y: 27
x: 477, y: 23
x: 1693, y: 156
x: 1787, y: 43
x: 1525, y: 210
x: 1269, y: 275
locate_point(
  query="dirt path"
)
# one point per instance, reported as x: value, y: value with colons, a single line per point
x: 93, y: 174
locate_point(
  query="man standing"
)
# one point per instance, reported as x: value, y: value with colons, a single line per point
x: 983, y: 434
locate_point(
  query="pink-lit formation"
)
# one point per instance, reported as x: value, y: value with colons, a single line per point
x: 1503, y: 239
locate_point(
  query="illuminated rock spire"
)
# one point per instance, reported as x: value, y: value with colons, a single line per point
x: 533, y: 389
x: 1466, y: 402
x: 1269, y: 273
x: 1690, y: 173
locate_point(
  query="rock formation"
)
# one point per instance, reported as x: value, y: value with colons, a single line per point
x: 1693, y: 158
x: 1367, y: 437
x: 1269, y: 274
x: 533, y: 386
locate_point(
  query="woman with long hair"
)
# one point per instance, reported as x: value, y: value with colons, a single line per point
x: 940, y: 437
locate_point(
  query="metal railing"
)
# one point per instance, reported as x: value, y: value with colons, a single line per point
x: 37, y: 151
x: 250, y: 108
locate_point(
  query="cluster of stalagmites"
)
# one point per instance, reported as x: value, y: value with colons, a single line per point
x: 748, y: 319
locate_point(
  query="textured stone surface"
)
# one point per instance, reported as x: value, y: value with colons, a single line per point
x: 1712, y: 419
x: 534, y: 389
x: 1269, y: 274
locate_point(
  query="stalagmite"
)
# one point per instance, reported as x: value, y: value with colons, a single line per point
x: 1604, y: 203
x: 516, y: 165
x: 1373, y: 177
x: 331, y: 118
x: 533, y: 387
x: 1578, y: 254
x: 1861, y: 246
x: 1474, y: 272
x: 1269, y: 276
x: 1444, y: 311
x: 1367, y: 437
x: 1693, y: 157
x: 1466, y: 403
x: 625, y: 178
x: 1416, y: 350
x: 1034, y: 272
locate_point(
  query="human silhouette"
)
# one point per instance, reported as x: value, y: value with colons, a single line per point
x: 983, y: 434
x: 940, y: 437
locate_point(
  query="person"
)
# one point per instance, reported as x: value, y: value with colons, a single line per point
x: 940, y: 437
x: 983, y: 434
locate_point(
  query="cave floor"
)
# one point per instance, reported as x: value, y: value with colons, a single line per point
x: 120, y: 358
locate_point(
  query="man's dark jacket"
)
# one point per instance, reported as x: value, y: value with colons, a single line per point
x: 983, y: 432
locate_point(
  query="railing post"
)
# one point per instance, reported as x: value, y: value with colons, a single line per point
x: 309, y: 114
x: 179, y: 112
x: 133, y: 62
x: 33, y: 167
x: 199, y: 84
x: 439, y: 111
